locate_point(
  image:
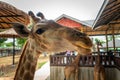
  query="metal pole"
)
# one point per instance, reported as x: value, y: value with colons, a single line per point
x: 13, y: 50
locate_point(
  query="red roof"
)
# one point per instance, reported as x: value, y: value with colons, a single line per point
x: 68, y: 22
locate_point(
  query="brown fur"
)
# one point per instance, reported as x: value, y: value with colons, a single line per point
x: 99, y: 70
x: 47, y: 36
x: 73, y: 68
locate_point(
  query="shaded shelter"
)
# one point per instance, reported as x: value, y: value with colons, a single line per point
x: 10, y: 33
x: 102, y: 30
x: 9, y: 13
x: 109, y: 15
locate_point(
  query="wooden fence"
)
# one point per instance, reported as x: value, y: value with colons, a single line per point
x: 85, y: 61
x: 8, y: 52
x: 117, y: 62
x: 86, y: 64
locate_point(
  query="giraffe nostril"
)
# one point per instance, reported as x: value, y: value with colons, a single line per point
x: 40, y: 31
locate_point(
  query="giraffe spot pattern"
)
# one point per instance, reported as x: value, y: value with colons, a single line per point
x: 27, y: 65
x: 27, y: 76
x: 43, y: 46
x: 30, y: 57
x: 33, y: 69
x: 22, y: 71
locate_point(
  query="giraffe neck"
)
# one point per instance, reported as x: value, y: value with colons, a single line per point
x: 98, y: 60
x: 77, y: 59
x: 27, y: 63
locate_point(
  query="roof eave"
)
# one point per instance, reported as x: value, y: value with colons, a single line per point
x: 99, y: 13
x: 74, y: 19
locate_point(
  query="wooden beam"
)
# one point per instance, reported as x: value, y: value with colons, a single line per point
x: 107, y: 27
x: 1, y: 16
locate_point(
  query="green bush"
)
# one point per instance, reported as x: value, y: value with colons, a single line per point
x: 41, y: 64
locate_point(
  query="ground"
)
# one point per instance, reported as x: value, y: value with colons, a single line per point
x: 9, y: 69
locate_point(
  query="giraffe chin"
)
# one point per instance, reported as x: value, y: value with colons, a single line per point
x: 84, y: 51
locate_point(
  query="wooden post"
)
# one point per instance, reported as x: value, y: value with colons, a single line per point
x: 13, y: 50
x: 106, y: 40
x: 113, y: 38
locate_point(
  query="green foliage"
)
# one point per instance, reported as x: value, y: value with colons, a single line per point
x: 110, y: 37
x: 2, y: 40
x: 41, y: 64
x: 10, y: 44
x: 20, y: 42
x: 99, y: 42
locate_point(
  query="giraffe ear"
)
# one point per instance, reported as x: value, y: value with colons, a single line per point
x: 21, y: 29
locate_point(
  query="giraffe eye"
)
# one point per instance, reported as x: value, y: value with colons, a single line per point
x: 40, y: 31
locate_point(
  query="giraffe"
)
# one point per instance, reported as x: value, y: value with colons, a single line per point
x: 99, y: 70
x: 46, y: 36
x: 73, y: 68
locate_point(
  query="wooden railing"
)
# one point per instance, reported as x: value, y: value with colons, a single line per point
x: 8, y: 52
x: 85, y: 61
x: 117, y: 62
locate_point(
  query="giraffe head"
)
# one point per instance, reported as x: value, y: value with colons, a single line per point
x: 49, y: 36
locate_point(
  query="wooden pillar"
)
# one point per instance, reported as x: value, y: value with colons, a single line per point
x: 106, y: 41
x: 113, y: 38
x: 13, y: 50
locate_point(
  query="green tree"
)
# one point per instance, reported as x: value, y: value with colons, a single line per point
x: 10, y: 44
x: 20, y: 42
x: 2, y: 40
x: 97, y: 41
x: 110, y: 38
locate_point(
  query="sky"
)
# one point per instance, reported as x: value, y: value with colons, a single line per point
x: 52, y: 9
